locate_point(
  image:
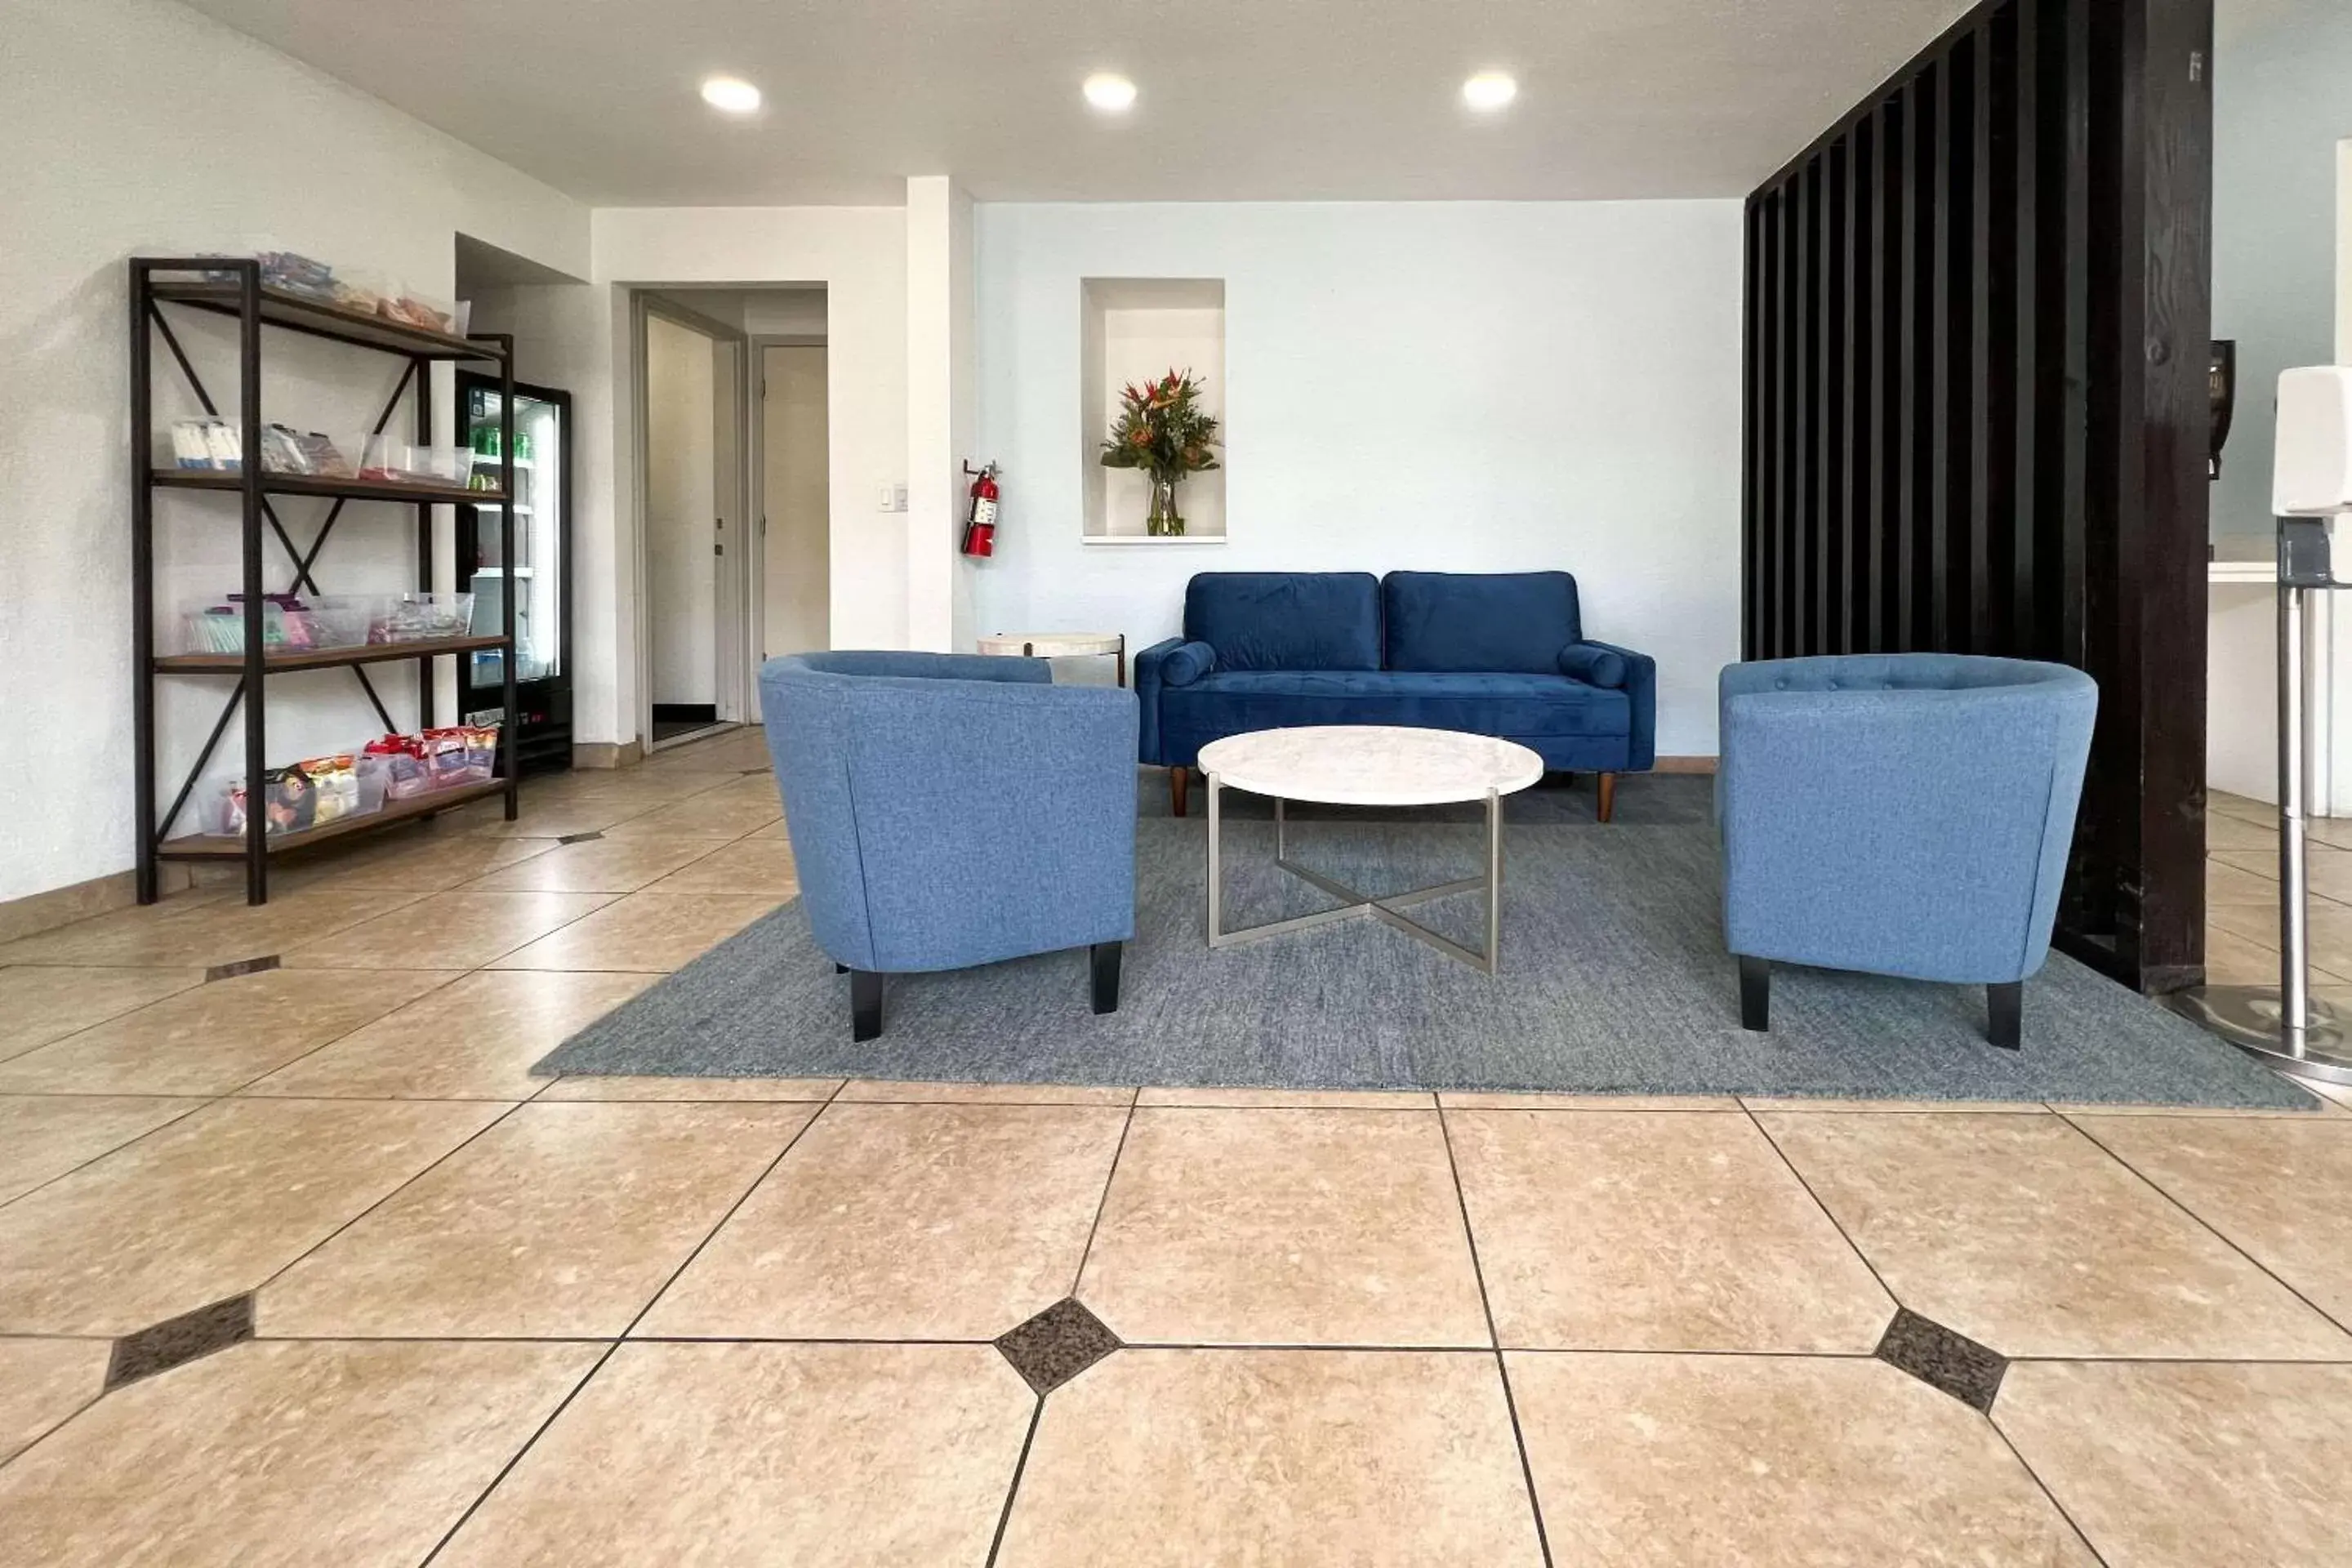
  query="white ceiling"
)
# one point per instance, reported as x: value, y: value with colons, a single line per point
x: 1241, y: 99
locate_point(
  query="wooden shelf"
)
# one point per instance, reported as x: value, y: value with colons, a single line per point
x: 231, y: 845
x: 302, y: 314
x: 311, y: 485
x: 322, y: 658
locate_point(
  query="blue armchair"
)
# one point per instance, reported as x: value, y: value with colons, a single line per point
x: 947, y: 811
x: 1905, y: 814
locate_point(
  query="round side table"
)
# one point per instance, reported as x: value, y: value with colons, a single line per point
x: 1060, y: 645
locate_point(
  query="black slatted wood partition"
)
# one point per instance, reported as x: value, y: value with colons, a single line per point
x: 1976, y: 410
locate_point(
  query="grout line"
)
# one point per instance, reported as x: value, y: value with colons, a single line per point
x: 1020, y: 1465
x: 2202, y: 1223
x: 1790, y: 1166
x: 2035, y: 1477
x: 1087, y: 1252
x: 1502, y: 1366
x: 515, y: 1459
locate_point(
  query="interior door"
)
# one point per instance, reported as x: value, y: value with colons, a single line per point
x: 796, y: 564
x: 681, y: 519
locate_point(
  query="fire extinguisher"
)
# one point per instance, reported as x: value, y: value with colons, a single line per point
x: 979, y: 524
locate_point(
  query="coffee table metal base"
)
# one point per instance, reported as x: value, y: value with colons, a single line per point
x: 1389, y: 911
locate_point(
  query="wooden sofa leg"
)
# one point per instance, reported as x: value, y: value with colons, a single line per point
x: 2005, y: 1007
x: 1104, y: 957
x: 1755, y: 995
x: 1178, y: 782
x: 864, y: 1005
x: 1608, y: 795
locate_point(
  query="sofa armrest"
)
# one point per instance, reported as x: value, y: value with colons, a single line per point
x: 1639, y: 682
x: 1173, y: 663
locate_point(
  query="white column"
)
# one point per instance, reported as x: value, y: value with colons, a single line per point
x: 939, y: 378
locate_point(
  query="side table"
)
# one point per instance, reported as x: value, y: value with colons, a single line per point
x: 1060, y: 645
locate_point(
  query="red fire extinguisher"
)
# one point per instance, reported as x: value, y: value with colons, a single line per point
x: 979, y: 524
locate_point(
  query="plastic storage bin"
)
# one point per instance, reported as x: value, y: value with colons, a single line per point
x: 424, y: 617
x: 397, y: 462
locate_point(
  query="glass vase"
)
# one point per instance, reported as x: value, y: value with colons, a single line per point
x: 1164, y: 520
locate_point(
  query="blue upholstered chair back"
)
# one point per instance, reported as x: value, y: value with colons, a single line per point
x: 1904, y: 814
x: 1287, y: 620
x: 947, y: 810
x: 1482, y: 623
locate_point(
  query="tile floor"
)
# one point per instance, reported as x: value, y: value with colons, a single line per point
x: 411, y: 1304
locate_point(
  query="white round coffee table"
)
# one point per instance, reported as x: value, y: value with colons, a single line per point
x: 1367, y: 764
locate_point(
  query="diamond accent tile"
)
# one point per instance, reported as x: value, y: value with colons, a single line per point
x: 580, y: 837
x: 267, y: 961
x: 1943, y: 1360
x: 176, y: 1341
x: 1057, y: 1345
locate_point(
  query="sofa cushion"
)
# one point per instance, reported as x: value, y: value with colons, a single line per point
x: 1287, y: 620
x: 1519, y: 707
x: 1514, y: 621
x: 1593, y: 664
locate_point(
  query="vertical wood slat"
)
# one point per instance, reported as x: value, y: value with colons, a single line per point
x: 1974, y: 309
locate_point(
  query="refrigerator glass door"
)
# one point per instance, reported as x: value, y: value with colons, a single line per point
x: 535, y: 571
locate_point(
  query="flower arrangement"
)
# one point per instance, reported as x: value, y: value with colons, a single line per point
x: 1162, y: 429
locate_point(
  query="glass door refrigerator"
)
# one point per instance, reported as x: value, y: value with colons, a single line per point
x: 539, y: 576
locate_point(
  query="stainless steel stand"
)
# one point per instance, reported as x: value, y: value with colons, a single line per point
x: 1387, y: 911
x: 2285, y: 1027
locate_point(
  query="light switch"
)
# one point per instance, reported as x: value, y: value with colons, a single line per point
x: 887, y: 498
x: 898, y: 494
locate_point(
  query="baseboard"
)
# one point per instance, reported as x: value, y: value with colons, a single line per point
x: 37, y: 913
x: 1683, y: 765
x: 601, y: 754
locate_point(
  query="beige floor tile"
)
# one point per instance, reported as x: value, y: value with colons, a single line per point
x: 2330, y: 926
x: 2333, y: 831
x: 2245, y: 808
x: 425, y: 859
x: 217, y: 1038
x: 2231, y: 833
x: 2228, y: 886
x: 474, y: 1039
x: 747, y: 866
x: 1650, y: 1230
x: 731, y: 752
x: 207, y: 1207
x: 2318, y: 1104
x: 942, y: 1221
x: 775, y: 830
x: 2234, y: 960
x: 729, y: 811
x: 2280, y: 1190
x: 44, y: 1136
x: 2023, y: 1235
x: 1285, y: 1227
x: 1289, y: 1098
x: 1660, y: 1462
x: 586, y: 1086
x: 562, y: 1220
x: 460, y: 930
x: 901, y: 1091
x: 200, y: 932
x: 552, y: 818
x: 43, y: 1382
x: 1895, y: 1106
x: 645, y: 933
x: 1505, y: 1102
x: 2194, y: 1466
x: 41, y: 1004
x: 1378, y: 1460
x: 2328, y: 868
x: 353, y: 1455
x: 855, y: 1455
x: 598, y: 866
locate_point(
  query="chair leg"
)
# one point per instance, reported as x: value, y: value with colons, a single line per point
x: 2005, y: 1005
x: 1104, y: 957
x: 1608, y: 795
x: 1755, y: 995
x: 864, y: 1005
x: 1179, y: 781
x: 840, y: 969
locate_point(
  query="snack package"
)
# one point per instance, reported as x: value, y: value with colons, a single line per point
x: 404, y: 765
x: 481, y: 752
x: 444, y: 757
x: 334, y: 787
x: 192, y: 442
x: 291, y: 802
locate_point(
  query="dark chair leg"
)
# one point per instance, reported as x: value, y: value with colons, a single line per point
x: 1755, y: 993
x: 1105, y: 956
x: 1608, y: 795
x: 840, y: 969
x: 864, y: 1005
x: 2006, y: 1006
x: 1179, y: 781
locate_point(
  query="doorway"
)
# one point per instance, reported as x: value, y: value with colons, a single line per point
x: 693, y: 509
x: 794, y: 510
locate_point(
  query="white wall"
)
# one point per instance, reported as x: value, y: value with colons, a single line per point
x: 139, y: 126
x: 1464, y: 386
x: 940, y: 347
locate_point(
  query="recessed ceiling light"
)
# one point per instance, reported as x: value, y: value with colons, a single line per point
x: 1489, y: 90
x: 1111, y: 92
x: 730, y: 94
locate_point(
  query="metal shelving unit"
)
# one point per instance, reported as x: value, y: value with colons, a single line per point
x: 232, y: 287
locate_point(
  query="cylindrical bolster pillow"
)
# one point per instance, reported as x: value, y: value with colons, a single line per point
x: 1593, y: 665
x: 1186, y: 663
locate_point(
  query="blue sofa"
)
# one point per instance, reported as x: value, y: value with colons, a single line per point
x: 1901, y: 814
x: 947, y: 811
x: 1501, y: 655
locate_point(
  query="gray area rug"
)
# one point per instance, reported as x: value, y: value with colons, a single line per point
x: 1614, y: 981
